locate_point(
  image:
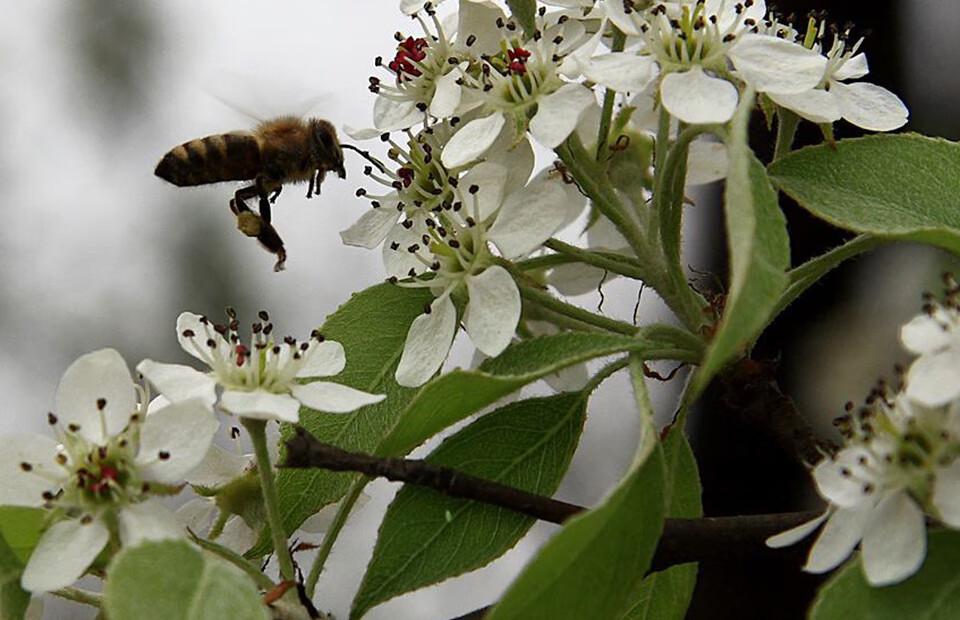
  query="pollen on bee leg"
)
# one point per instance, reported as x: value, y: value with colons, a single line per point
x: 249, y: 223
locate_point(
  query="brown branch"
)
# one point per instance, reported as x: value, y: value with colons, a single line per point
x: 711, y: 539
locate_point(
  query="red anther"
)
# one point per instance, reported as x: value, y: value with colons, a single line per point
x: 406, y: 176
x: 99, y: 485
x: 408, y: 52
x: 517, y: 67
x: 518, y: 53
x: 242, y: 353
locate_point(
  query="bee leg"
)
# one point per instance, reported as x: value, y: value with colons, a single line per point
x: 310, y: 188
x: 260, y: 189
x: 253, y: 225
x: 239, y: 202
x: 276, y: 194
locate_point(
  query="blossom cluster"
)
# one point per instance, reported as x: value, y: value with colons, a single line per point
x: 470, y: 91
x: 115, y: 450
x: 899, y: 464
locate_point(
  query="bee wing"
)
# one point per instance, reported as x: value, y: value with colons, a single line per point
x: 262, y: 97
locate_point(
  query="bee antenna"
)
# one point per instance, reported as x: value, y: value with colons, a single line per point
x: 366, y: 155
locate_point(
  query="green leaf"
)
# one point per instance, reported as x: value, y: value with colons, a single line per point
x: 902, y: 186
x: 13, y: 599
x: 590, y: 568
x: 20, y: 528
x: 372, y: 327
x: 427, y: 536
x: 452, y: 397
x: 524, y: 11
x: 172, y: 579
x: 759, y: 253
x: 666, y: 594
x: 933, y: 593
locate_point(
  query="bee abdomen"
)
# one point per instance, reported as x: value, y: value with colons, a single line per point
x: 223, y: 157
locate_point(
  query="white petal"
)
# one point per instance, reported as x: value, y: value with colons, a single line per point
x: 178, y: 382
x: 695, y: 97
x: 517, y: 158
x: 323, y: 359
x: 870, y: 106
x: 925, y: 333
x: 237, y: 535
x: 217, y: 468
x: 946, y: 494
x: 795, y: 534
x: 616, y: 12
x: 472, y: 140
x: 816, y: 105
x: 480, y: 20
x: 706, y: 162
x: 621, y: 71
x: 197, y: 515
x: 333, y: 397
x: 427, y: 344
x: 839, y: 537
x: 558, y: 114
x: 63, y: 554
x: 149, y: 520
x: 202, y: 330
x: 772, y: 64
x: 842, y: 490
x: 26, y: 488
x: 389, y: 115
x: 370, y: 230
x: 446, y: 95
x: 895, y: 541
x: 853, y: 69
x: 362, y: 133
x: 490, y: 179
x: 493, y: 310
x: 934, y: 379
x: 320, y: 522
x: 528, y: 218
x: 576, y: 278
x: 603, y: 235
x: 262, y: 405
x: 99, y: 375
x: 397, y: 259
x: 183, y: 431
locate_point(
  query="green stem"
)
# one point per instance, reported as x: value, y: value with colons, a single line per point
x: 258, y: 436
x: 604, y: 373
x: 346, y: 505
x: 79, y: 596
x: 641, y: 397
x: 615, y: 265
x: 550, y: 302
x: 787, y: 121
x: 544, y: 262
x: 262, y: 581
x: 603, y: 135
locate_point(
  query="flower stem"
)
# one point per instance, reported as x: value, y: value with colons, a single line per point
x: 262, y: 581
x: 603, y: 135
x: 79, y: 596
x: 346, y: 505
x: 258, y: 436
x: 548, y: 301
x: 597, y: 259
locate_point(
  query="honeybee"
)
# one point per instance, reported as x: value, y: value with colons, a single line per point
x: 283, y: 150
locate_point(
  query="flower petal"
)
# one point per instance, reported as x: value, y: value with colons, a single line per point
x: 446, y: 94
x: 262, y: 405
x: 796, y: 534
x: 333, y: 397
x: 895, y: 541
x: 389, y: 115
x: 816, y: 105
x: 178, y: 382
x: 197, y: 515
x: 217, y: 468
x: 397, y: 259
x: 842, y: 490
x: 428, y: 342
x: 695, y: 97
x: 946, y: 494
x: 616, y: 11
x: 558, y: 114
x: 772, y: 64
x: 149, y: 520
x: 237, y: 535
x: 490, y: 179
x: 934, y: 379
x: 183, y: 433
x: 478, y: 19
x: 63, y: 554
x: 471, y: 141
x: 493, y: 310
x: 853, y: 69
x: 925, y: 333
x: 839, y: 537
x: 323, y: 359
x: 870, y: 106
x: 706, y: 162
x: 370, y: 230
x: 621, y: 71
x: 198, y: 345
x: 95, y: 378
x: 19, y: 487
x: 528, y: 218
x: 576, y: 278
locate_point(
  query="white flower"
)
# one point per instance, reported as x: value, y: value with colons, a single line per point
x: 899, y: 462
x: 865, y: 105
x: 934, y: 335
x: 259, y: 381
x: 454, y: 246
x: 96, y: 478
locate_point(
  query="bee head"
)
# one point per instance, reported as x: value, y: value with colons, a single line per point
x: 327, y: 153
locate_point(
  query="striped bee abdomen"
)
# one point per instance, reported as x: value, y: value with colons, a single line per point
x: 223, y: 157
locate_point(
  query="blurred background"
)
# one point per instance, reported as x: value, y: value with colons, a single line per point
x: 97, y: 252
